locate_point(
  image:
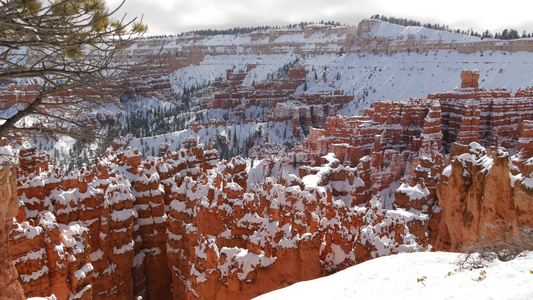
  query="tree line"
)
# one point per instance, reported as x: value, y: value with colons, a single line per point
x: 506, y: 34
x: 243, y: 30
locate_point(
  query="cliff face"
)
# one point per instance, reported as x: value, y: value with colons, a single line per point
x: 10, y: 287
x: 368, y: 37
x: 276, y: 96
x: 480, y: 187
x: 425, y: 125
x: 104, y: 230
x: 239, y: 244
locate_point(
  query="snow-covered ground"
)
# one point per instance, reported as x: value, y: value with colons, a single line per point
x: 422, y: 275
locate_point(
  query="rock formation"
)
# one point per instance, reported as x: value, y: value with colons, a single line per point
x: 186, y: 225
x: 306, y: 111
x: 413, y: 141
x: 480, y: 187
x: 10, y: 287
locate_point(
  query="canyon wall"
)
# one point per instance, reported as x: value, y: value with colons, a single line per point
x: 277, y: 96
x: 375, y: 36
x: 400, y: 177
x: 368, y: 37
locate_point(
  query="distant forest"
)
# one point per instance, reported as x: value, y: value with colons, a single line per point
x: 506, y: 34
x: 246, y: 30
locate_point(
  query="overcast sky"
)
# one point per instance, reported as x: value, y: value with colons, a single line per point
x: 176, y: 16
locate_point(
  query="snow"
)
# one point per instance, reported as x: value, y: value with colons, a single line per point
x: 199, y: 251
x: 337, y: 255
x: 69, y: 201
x: 52, y: 297
x: 72, y: 237
x: 241, y: 259
x: 7, y: 156
x: 34, y: 275
x: 314, y: 180
x: 232, y: 186
x: 385, y: 29
x: 32, y: 255
x: 387, y: 194
x: 123, y: 215
x: 97, y: 255
x: 84, y: 271
x: 138, y: 259
x: 25, y: 230
x: 48, y: 220
x: 110, y: 269
x: 285, y: 243
x: 486, y: 162
x: 124, y: 248
x: 447, y: 171
x: 528, y: 183
x: 200, y: 276
x: 254, y: 168
x: 226, y: 234
x: 422, y: 275
x: 154, y: 251
x: 414, y: 193
x: 80, y: 294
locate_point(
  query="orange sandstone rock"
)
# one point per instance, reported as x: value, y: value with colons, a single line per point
x: 10, y: 288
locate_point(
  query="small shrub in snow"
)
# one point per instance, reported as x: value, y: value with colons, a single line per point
x: 498, y: 241
x: 421, y: 280
x: 450, y: 273
x: 482, y: 275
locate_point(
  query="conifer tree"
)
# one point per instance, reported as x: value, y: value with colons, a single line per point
x: 68, y: 51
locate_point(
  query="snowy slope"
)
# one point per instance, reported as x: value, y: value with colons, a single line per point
x: 375, y: 77
x: 214, y: 66
x: 401, y: 76
x: 422, y: 275
x: 385, y: 29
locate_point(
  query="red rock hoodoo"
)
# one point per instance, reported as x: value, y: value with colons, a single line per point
x: 131, y: 227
